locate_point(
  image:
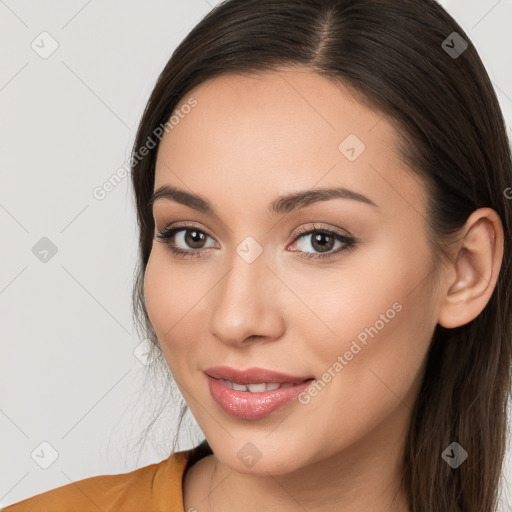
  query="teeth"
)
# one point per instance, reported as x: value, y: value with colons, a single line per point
x: 257, y: 388
x: 238, y: 387
x: 268, y: 387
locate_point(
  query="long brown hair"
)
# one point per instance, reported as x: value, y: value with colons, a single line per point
x: 395, y: 56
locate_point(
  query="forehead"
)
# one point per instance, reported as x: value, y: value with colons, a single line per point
x: 272, y: 133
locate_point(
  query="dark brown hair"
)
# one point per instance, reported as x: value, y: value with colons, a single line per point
x: 452, y: 135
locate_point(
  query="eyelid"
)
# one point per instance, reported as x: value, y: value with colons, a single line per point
x: 185, y: 225
x: 298, y: 232
x: 315, y: 227
x: 179, y: 225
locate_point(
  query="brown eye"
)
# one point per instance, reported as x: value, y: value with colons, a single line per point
x: 189, y: 241
x: 322, y: 242
x: 194, y: 238
x: 184, y: 240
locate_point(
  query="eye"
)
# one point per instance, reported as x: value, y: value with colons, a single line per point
x: 185, y: 235
x: 323, y: 240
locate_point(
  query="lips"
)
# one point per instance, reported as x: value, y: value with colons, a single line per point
x: 254, y: 376
x: 253, y: 405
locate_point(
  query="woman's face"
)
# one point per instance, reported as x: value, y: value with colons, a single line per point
x: 358, y: 318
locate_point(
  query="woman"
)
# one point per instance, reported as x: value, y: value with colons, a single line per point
x: 324, y: 264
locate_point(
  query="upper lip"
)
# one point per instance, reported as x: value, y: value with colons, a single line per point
x: 252, y: 375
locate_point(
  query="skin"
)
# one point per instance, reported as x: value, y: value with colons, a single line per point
x: 248, y: 141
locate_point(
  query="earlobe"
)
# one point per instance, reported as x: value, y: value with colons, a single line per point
x: 475, y: 267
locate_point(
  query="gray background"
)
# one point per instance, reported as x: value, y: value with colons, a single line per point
x: 69, y: 374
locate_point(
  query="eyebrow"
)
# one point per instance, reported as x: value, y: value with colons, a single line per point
x: 281, y: 205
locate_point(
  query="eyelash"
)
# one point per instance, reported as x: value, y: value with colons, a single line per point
x: 165, y: 235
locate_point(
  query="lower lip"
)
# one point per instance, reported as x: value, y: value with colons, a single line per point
x: 251, y: 406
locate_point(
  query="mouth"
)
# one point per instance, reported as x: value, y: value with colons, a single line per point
x: 255, y: 379
x: 261, y: 387
x: 255, y: 400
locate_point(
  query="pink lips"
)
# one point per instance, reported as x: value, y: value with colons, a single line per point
x: 252, y: 405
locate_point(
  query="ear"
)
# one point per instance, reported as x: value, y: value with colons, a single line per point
x: 472, y: 276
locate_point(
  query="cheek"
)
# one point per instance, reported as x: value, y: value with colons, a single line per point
x: 176, y: 306
x: 361, y: 299
x: 157, y: 293
x: 373, y: 367
x: 168, y: 299
x: 390, y: 272
x: 379, y: 317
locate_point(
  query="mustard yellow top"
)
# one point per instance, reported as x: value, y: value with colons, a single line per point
x: 153, y: 488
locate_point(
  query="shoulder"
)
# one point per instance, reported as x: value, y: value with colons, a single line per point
x: 154, y: 488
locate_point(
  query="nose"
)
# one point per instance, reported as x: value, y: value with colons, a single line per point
x: 245, y: 303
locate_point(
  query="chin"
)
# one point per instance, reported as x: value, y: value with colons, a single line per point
x: 251, y: 460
